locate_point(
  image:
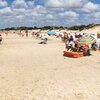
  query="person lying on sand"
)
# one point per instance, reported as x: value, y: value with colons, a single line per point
x: 44, y: 41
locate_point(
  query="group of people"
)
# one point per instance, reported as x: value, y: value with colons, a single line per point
x: 39, y: 35
x: 72, y: 45
x: 22, y: 34
x: 67, y: 38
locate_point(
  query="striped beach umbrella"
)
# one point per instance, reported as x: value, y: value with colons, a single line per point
x: 86, y: 40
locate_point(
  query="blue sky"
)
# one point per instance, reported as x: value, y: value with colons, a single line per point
x: 95, y: 1
x: 16, y: 13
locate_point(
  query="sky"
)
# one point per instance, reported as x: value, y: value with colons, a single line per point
x: 30, y: 13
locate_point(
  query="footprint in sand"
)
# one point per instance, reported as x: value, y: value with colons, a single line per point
x: 2, y: 77
x: 79, y: 96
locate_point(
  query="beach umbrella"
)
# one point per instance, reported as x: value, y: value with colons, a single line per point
x: 86, y: 40
x: 93, y: 36
x: 51, y: 32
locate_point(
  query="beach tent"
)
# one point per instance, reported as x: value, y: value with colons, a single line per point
x: 51, y: 32
x: 86, y: 40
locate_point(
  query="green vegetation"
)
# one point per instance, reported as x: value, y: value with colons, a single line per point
x: 80, y: 27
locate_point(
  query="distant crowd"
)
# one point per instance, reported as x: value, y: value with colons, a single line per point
x: 67, y: 38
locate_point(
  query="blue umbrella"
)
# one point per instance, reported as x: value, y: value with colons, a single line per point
x: 51, y: 32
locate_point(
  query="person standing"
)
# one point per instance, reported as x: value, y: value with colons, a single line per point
x: 26, y: 33
x: 0, y: 38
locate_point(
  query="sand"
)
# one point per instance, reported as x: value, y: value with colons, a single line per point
x: 30, y: 71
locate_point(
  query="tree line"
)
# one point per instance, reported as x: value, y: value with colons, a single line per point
x: 76, y: 27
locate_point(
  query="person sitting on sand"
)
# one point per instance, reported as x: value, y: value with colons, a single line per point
x: 0, y: 38
x: 71, y: 38
x: 79, y: 36
x: 85, y: 49
x: 76, y: 48
x: 94, y: 46
x: 70, y: 45
x: 44, y: 41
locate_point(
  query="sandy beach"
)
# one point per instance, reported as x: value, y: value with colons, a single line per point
x: 49, y: 49
x: 30, y: 71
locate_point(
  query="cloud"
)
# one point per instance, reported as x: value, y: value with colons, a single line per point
x: 20, y: 17
x: 65, y: 3
x: 40, y: 9
x: 89, y: 7
x: 3, y: 3
x: 69, y: 15
x: 49, y: 16
x: 50, y: 12
x: 19, y: 4
x: 21, y: 11
x: 6, y: 11
x: 30, y: 4
x: 94, y: 16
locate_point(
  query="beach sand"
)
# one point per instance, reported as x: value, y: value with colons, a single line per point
x: 31, y: 71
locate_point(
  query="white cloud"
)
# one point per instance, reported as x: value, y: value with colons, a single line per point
x: 56, y: 12
x: 19, y: 4
x: 69, y: 15
x: 65, y: 3
x: 35, y: 14
x: 20, y: 17
x: 97, y: 15
x: 20, y: 11
x: 6, y: 11
x: 30, y: 4
x: 3, y: 3
x: 89, y: 7
x: 40, y: 9
x: 49, y: 16
x: 93, y: 16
